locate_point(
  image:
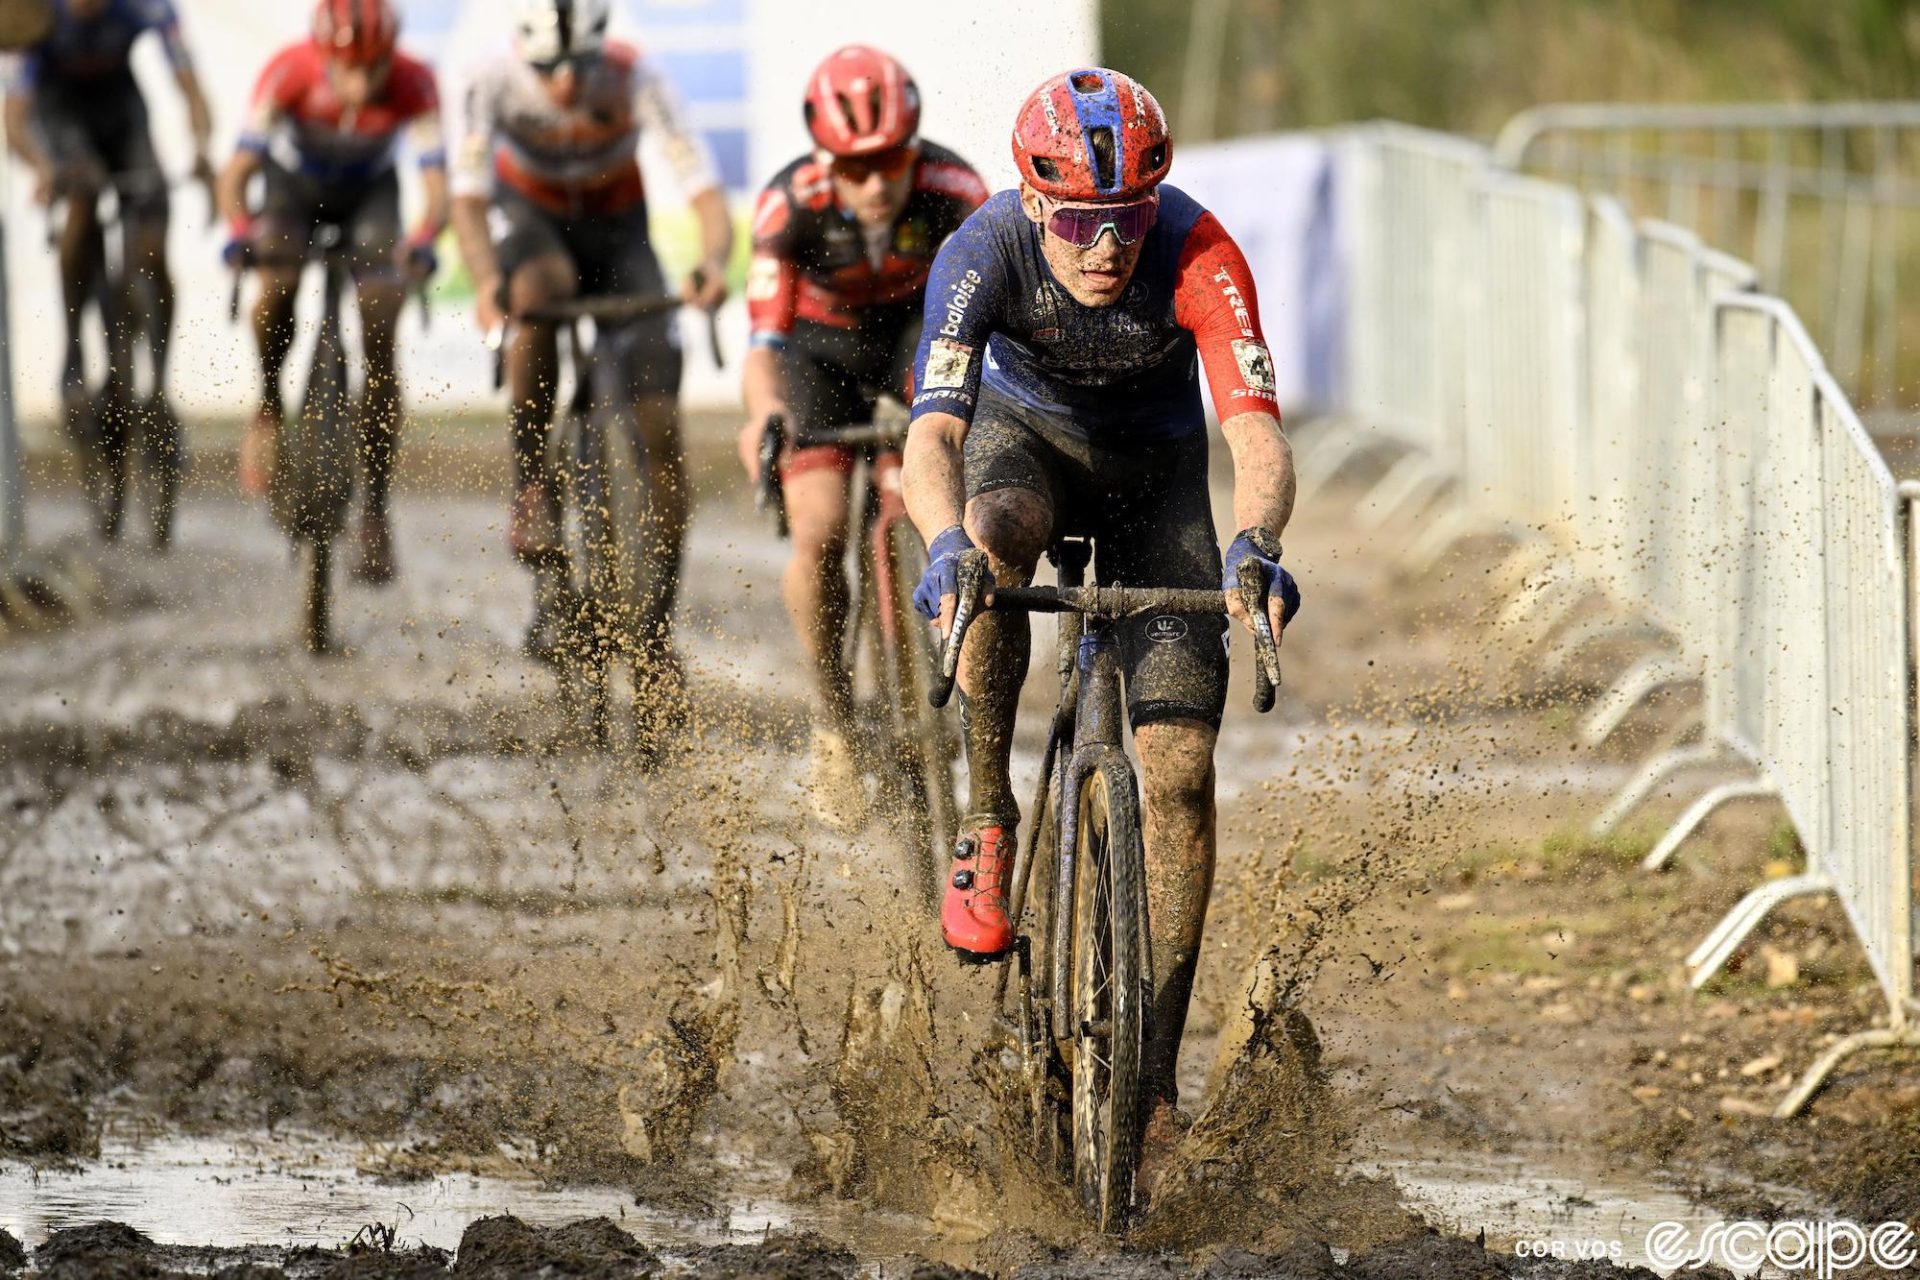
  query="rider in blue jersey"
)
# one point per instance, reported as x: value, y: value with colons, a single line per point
x: 75, y: 116
x: 1058, y: 392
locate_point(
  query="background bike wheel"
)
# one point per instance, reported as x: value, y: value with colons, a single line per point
x: 1107, y: 1013
x: 316, y: 580
x: 162, y: 465
x: 928, y: 736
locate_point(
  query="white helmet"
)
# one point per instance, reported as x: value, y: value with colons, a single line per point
x: 554, y: 30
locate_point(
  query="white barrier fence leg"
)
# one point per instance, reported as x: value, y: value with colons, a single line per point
x: 1698, y: 812
x: 1651, y: 775
x: 1409, y: 483
x: 1641, y: 681
x: 1705, y: 960
x: 1896, y: 1037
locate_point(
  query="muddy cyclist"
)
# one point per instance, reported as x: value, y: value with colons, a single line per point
x: 843, y: 239
x: 1057, y: 393
x: 549, y: 204
x: 76, y: 117
x: 327, y: 117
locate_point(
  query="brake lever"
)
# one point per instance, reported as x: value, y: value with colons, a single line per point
x: 969, y: 595
x: 1266, y: 652
x: 496, y: 340
x: 773, y: 442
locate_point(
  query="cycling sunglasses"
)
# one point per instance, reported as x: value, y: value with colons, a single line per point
x: 889, y: 164
x: 1081, y: 225
x: 554, y: 66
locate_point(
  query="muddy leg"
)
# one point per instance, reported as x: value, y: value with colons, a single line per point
x: 658, y: 419
x: 380, y: 303
x: 1011, y: 525
x: 815, y: 583
x: 1176, y: 758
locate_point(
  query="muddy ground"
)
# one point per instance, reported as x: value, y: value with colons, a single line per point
x: 379, y: 906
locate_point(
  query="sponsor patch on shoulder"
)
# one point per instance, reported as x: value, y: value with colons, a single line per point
x: 1256, y: 365
x: 948, y: 363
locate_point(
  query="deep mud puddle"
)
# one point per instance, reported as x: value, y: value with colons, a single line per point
x: 300, y: 1189
x: 303, y: 1189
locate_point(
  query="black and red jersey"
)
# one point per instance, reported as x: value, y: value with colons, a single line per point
x: 298, y: 119
x: 814, y: 262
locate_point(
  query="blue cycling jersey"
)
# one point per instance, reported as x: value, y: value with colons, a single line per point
x: 101, y: 47
x: 997, y: 318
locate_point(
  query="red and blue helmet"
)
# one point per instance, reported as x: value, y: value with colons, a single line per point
x: 1092, y: 134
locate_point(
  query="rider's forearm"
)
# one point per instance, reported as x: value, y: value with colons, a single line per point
x: 476, y: 246
x: 763, y: 385
x: 437, y: 205
x: 1263, y: 480
x: 933, y: 474
x: 716, y: 227
x: 199, y: 114
x: 230, y: 192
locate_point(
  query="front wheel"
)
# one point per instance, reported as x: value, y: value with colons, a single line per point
x: 1106, y: 1027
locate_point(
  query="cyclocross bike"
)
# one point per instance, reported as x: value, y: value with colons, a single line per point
x: 902, y: 658
x: 1083, y: 960
x: 605, y: 582
x: 317, y: 451
x: 125, y: 441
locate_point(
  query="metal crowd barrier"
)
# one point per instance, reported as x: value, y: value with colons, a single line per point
x: 1618, y: 394
x: 1821, y: 194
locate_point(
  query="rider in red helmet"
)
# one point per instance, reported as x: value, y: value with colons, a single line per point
x: 1057, y: 394
x: 327, y: 119
x: 355, y: 33
x: 843, y: 238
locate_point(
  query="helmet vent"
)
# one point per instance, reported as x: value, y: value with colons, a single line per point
x: 1087, y: 82
x: 1157, y: 157
x: 1100, y: 143
x: 1046, y: 168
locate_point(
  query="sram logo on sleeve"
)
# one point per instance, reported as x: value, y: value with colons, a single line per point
x: 948, y: 363
x: 1256, y: 364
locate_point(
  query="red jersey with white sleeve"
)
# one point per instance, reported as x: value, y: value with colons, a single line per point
x: 298, y: 120
x: 813, y: 262
x: 581, y: 157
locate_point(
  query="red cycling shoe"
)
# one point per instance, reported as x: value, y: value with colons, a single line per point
x: 973, y: 918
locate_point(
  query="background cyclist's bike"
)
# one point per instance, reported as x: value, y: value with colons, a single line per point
x: 318, y: 448
x: 892, y: 687
x: 127, y: 440
x: 605, y: 587
x: 1083, y: 959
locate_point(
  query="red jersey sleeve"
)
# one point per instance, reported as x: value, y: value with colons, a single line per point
x: 412, y: 91
x: 958, y: 182
x: 773, y: 292
x: 279, y: 89
x: 1214, y: 300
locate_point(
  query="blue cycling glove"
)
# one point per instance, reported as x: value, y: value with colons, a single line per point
x: 943, y: 570
x: 1260, y: 547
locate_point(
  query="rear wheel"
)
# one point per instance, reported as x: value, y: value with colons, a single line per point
x: 1106, y: 1026
x: 313, y: 472
x: 316, y: 617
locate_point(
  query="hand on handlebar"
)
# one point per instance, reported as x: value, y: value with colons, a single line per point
x: 1260, y: 549
x: 419, y: 262
x: 750, y: 440
x: 489, y: 306
x: 939, y: 587
x: 705, y: 287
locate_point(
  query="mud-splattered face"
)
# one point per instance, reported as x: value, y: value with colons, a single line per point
x: 1097, y: 275
x: 358, y: 86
